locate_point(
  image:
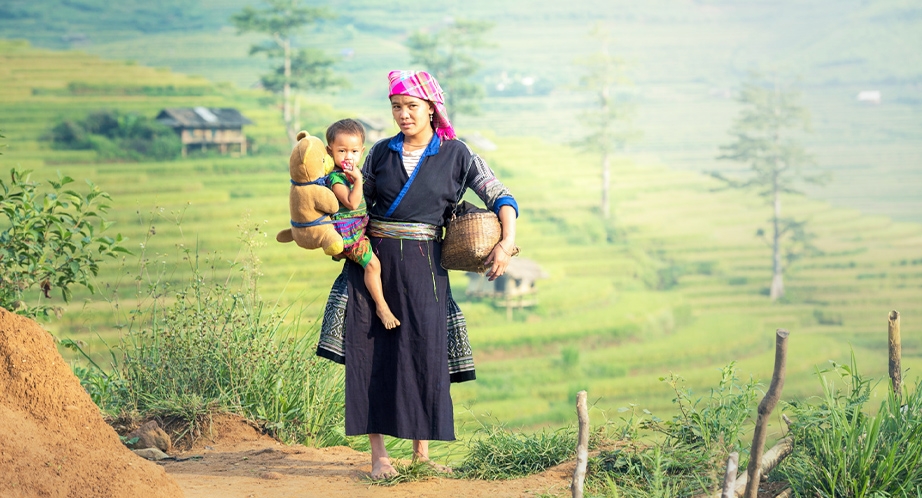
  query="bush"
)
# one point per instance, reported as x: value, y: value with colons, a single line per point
x: 210, y: 343
x: 696, y: 444
x: 50, y: 241
x: 843, y: 450
x: 114, y: 135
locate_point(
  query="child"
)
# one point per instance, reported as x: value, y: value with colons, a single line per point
x: 346, y: 143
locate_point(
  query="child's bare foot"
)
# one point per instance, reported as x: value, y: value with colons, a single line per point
x: 387, y: 318
x: 381, y: 468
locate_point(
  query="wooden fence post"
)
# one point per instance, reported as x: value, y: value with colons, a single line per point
x: 765, y: 409
x: 896, y: 351
x: 582, y: 446
x: 729, y: 489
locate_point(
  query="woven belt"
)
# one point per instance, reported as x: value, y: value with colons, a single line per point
x: 397, y: 230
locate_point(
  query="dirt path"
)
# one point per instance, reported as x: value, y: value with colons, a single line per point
x: 240, y: 463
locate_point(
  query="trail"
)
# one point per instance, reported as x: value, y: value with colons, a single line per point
x: 238, y: 462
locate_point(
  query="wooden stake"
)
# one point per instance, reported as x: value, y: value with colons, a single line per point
x: 896, y: 351
x: 729, y: 490
x: 765, y: 409
x: 770, y: 460
x: 582, y: 446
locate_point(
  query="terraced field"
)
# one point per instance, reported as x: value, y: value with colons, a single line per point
x: 676, y: 282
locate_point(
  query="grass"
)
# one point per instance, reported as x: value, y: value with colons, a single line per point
x: 845, y: 448
x: 208, y: 342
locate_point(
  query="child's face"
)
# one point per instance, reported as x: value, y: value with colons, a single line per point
x: 346, y: 150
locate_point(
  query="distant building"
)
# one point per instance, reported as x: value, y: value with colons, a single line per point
x: 375, y: 129
x: 478, y: 141
x: 205, y: 127
x: 869, y: 96
x: 514, y: 289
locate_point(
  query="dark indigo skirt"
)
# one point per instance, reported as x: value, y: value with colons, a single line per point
x: 397, y: 381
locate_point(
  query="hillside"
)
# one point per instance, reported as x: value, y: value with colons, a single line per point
x: 687, y: 59
x: 677, y: 283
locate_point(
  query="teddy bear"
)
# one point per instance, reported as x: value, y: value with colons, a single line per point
x: 310, y: 201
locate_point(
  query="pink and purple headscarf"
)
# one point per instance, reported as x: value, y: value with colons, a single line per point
x: 423, y: 85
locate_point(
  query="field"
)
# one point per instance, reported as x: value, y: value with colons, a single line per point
x: 675, y: 283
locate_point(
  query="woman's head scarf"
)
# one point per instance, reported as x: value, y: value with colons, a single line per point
x: 423, y: 85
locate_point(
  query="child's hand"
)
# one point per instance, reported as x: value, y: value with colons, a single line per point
x: 352, y: 173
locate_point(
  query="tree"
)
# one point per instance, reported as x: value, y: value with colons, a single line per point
x: 765, y: 137
x: 447, y: 55
x: 51, y: 241
x: 610, y: 121
x: 304, y: 69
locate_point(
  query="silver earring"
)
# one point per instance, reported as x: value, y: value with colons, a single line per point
x: 430, y: 118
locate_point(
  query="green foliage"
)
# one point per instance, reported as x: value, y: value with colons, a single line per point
x: 498, y: 453
x: 697, y: 441
x: 245, y: 358
x: 306, y: 69
x: 658, y: 471
x: 51, y: 241
x: 115, y: 135
x: 205, y: 342
x: 448, y: 54
x: 712, y: 423
x: 311, y: 69
x: 844, y: 450
x: 766, y: 137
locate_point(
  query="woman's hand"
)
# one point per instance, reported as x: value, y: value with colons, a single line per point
x: 502, y: 252
x: 499, y: 259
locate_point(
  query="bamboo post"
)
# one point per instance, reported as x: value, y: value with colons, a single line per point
x: 729, y: 490
x: 582, y: 446
x: 765, y: 409
x: 770, y: 460
x: 896, y: 351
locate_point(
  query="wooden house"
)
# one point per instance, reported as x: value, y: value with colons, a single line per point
x: 205, y: 127
x: 375, y: 129
x: 514, y: 289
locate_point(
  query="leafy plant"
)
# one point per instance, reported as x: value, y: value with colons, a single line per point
x: 50, y: 241
x: 209, y: 343
x: 697, y: 442
x: 717, y: 419
x: 844, y: 450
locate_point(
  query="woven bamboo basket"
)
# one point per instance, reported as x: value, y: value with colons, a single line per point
x: 469, y: 238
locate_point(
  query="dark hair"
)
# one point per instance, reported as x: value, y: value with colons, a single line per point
x: 345, y: 126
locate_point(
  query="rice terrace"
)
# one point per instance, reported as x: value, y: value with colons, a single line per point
x: 141, y: 279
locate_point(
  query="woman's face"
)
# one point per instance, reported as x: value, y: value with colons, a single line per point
x: 412, y: 115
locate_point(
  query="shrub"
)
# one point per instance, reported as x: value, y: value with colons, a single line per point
x: 843, y: 450
x: 115, y: 135
x: 696, y: 444
x: 50, y: 241
x: 210, y: 343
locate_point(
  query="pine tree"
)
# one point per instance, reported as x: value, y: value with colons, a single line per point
x: 765, y: 137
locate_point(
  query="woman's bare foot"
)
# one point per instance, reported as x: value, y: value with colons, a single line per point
x: 444, y: 469
x: 421, y: 454
x: 387, y: 318
x: 381, y: 468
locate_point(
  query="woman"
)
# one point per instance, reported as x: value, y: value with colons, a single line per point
x: 397, y: 381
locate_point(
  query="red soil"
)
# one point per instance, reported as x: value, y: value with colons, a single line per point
x: 53, y: 440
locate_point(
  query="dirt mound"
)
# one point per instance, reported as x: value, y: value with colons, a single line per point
x: 54, y: 441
